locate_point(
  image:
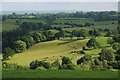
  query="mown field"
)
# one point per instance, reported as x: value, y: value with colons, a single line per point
x: 58, y: 74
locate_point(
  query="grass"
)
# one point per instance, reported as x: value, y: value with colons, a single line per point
x: 58, y: 74
x: 10, y: 24
x: 54, y: 50
x: 51, y: 49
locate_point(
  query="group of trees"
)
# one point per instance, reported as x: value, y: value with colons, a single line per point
x: 97, y: 16
x: 106, y: 60
x: 66, y: 64
x: 22, y: 43
x: 87, y: 24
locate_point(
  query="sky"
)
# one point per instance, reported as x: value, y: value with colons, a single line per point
x: 60, y: 0
x: 51, y: 6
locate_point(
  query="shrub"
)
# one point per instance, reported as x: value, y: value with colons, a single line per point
x: 115, y: 64
x: 41, y: 68
x: 8, y: 52
x: 92, y: 43
x: 55, y: 64
x: 70, y: 67
x: 116, y: 46
x: 83, y: 59
x: 110, y: 41
x: 66, y: 60
x: 107, y: 54
x: 19, y: 46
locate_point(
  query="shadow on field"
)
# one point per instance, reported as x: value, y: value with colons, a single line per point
x: 67, y: 41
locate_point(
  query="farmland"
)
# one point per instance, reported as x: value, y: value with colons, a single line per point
x: 65, y: 45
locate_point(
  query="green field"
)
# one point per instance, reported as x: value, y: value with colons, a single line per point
x: 54, y: 50
x: 58, y: 74
x: 9, y: 24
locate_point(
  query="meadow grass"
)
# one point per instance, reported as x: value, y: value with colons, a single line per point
x: 58, y: 74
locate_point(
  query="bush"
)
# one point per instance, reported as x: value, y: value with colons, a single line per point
x: 83, y: 59
x: 70, y: 67
x: 46, y: 65
x: 55, y: 64
x: 115, y: 64
x: 8, y: 52
x: 92, y: 43
x: 110, y: 41
x: 41, y: 68
x: 116, y: 46
x: 66, y: 60
x: 107, y: 54
x: 19, y: 46
x: 13, y: 66
x: 35, y: 64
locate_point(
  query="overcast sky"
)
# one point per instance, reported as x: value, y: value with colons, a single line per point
x: 49, y: 6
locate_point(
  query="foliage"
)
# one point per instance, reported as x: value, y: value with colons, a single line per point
x: 107, y: 54
x: 110, y: 41
x: 39, y: 37
x: 116, y: 46
x: 36, y: 64
x: 19, y: 46
x: 55, y: 64
x: 66, y: 60
x: 92, y: 43
x: 28, y: 40
x: 84, y: 59
x: 8, y: 52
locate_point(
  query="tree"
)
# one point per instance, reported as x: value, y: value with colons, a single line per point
x: 8, y: 52
x: 39, y: 37
x: 33, y: 65
x: 47, y: 65
x: 66, y: 60
x: 92, y: 43
x: 70, y: 66
x: 56, y: 64
x: 110, y: 41
x: 60, y: 34
x: 107, y: 54
x: 108, y: 34
x: 116, y: 38
x: 28, y: 40
x: 4, y: 17
x: 83, y: 59
x: 116, y: 46
x: 83, y: 33
x: 75, y: 33
x: 97, y: 61
x: 19, y: 46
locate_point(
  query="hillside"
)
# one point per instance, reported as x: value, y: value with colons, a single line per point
x: 50, y: 50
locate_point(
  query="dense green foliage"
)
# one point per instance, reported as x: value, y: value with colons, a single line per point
x: 92, y: 43
x: 19, y: 46
x: 8, y: 52
x: 107, y: 54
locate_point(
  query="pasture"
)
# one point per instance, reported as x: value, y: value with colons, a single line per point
x: 58, y: 74
x: 52, y: 50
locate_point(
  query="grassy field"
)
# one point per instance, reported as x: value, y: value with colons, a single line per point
x: 10, y: 24
x: 58, y: 74
x: 51, y: 49
x: 54, y: 50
